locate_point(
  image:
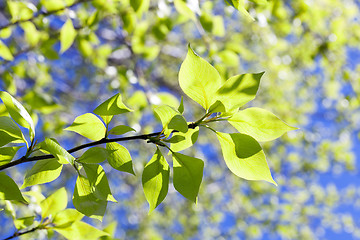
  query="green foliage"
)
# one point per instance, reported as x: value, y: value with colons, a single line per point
x: 119, y: 158
x: 67, y: 35
x: 93, y: 155
x: 112, y: 106
x: 53, y: 204
x: 43, y: 172
x: 89, y: 126
x: 60, y: 154
x: 9, y: 189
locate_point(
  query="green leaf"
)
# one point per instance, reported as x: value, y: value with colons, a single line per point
x: 188, y: 173
x: 119, y: 158
x: 67, y: 35
x: 52, y: 5
x: 5, y: 52
x: 171, y: 119
x: 89, y: 126
x: 80, y: 230
x: 181, y: 106
x: 98, y: 182
x: 121, y: 129
x: 85, y: 201
x: 236, y: 91
x: 239, y: 5
x: 175, y: 139
x: 9, y: 190
x: 190, y: 138
x: 198, y: 79
x: 9, y: 131
x: 155, y: 180
x: 140, y: 6
x: 54, y: 203
x: 7, y: 154
x: 260, y: 124
x: 112, y: 106
x: 43, y: 171
x: 183, y: 9
x: 18, y: 112
x: 244, y: 157
x: 66, y: 217
x: 93, y: 155
x: 51, y: 146
x: 19, y: 11
x: 24, y: 222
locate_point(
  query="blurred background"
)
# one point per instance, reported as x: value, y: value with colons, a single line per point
x: 310, y: 53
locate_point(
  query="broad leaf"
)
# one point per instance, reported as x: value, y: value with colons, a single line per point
x: 171, y: 119
x: 188, y: 173
x: 9, y: 131
x: 260, y: 124
x: 89, y: 126
x: 5, y: 52
x: 85, y: 201
x: 43, y: 171
x: 93, y: 155
x: 121, y: 129
x: 155, y: 180
x: 9, y: 190
x: 112, y: 106
x: 52, y: 5
x: 67, y: 35
x: 198, y: 79
x: 18, y: 112
x: 183, y: 9
x: 236, y: 92
x: 190, y: 138
x: 119, y: 158
x: 24, y: 222
x: 7, y: 154
x: 66, y: 217
x: 51, y: 146
x: 98, y: 182
x: 244, y: 157
x: 80, y: 230
x: 54, y: 203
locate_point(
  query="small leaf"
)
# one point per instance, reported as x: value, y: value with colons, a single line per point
x: 190, y: 138
x: 244, y: 157
x: 54, y: 203
x: 98, y: 182
x: 9, y: 131
x: 239, y: 5
x: 112, y: 106
x: 171, y: 119
x: 51, y: 146
x: 9, y: 190
x: 93, y: 155
x: 181, y: 107
x: 188, y: 173
x: 236, y: 92
x: 66, y: 217
x: 121, y: 129
x: 5, y: 52
x: 155, y: 180
x: 67, y: 35
x: 183, y: 9
x: 175, y: 139
x: 43, y: 171
x: 24, y: 222
x: 89, y: 126
x: 260, y: 124
x: 52, y: 5
x: 198, y: 79
x: 18, y: 113
x: 119, y: 158
x: 7, y: 154
x: 84, y: 200
x: 80, y: 230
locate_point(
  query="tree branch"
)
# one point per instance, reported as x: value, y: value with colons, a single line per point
x: 17, y: 234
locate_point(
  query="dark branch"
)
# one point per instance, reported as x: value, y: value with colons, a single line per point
x: 17, y: 234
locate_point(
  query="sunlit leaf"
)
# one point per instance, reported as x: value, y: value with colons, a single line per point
x: 188, y: 173
x: 239, y: 5
x: 260, y: 124
x: 9, y: 131
x: 54, y: 203
x: 93, y: 155
x: 198, y: 79
x: 183, y: 9
x: 112, y: 106
x: 181, y: 106
x: 66, y: 217
x: 67, y: 35
x: 80, y: 230
x: 244, y: 157
x: 89, y: 126
x: 5, y: 52
x: 119, y: 158
x: 51, y: 146
x: 171, y: 119
x: 155, y: 180
x: 9, y: 190
x: 190, y: 138
x: 121, y: 129
x: 21, y: 223
x: 7, y: 154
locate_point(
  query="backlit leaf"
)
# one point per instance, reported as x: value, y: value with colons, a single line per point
x: 51, y: 146
x: 190, y: 138
x: 66, y: 217
x: 24, y: 222
x: 119, y: 158
x: 9, y: 190
x: 5, y: 52
x: 80, y: 230
x: 93, y: 155
x: 121, y: 129
x: 112, y: 106
x: 171, y: 119
x: 89, y: 126
x: 7, y: 154
x: 54, y: 203
x: 9, y: 131
x: 67, y: 35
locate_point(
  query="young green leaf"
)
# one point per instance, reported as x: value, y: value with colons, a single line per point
x: 9, y: 131
x: 175, y: 139
x: 236, y: 91
x: 98, y: 182
x: 67, y: 35
x: 54, y: 203
x: 155, y: 180
x: 239, y: 5
x: 7, y: 154
x: 171, y: 119
x: 24, y: 222
x: 112, y: 106
x: 9, y: 190
x: 66, y: 217
x: 183, y: 9
x: 85, y: 201
x: 42, y: 172
x: 93, y: 155
x: 18, y: 112
x: 199, y: 80
x: 52, y: 5
x: 51, y: 146
x: 89, y: 126
x: 121, y: 129
x: 260, y: 124
x: 244, y: 157
x: 190, y: 138
x: 188, y: 173
x: 80, y: 230
x: 181, y: 106
x: 119, y: 158
x: 5, y: 52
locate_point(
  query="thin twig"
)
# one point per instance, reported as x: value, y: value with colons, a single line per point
x: 17, y: 234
